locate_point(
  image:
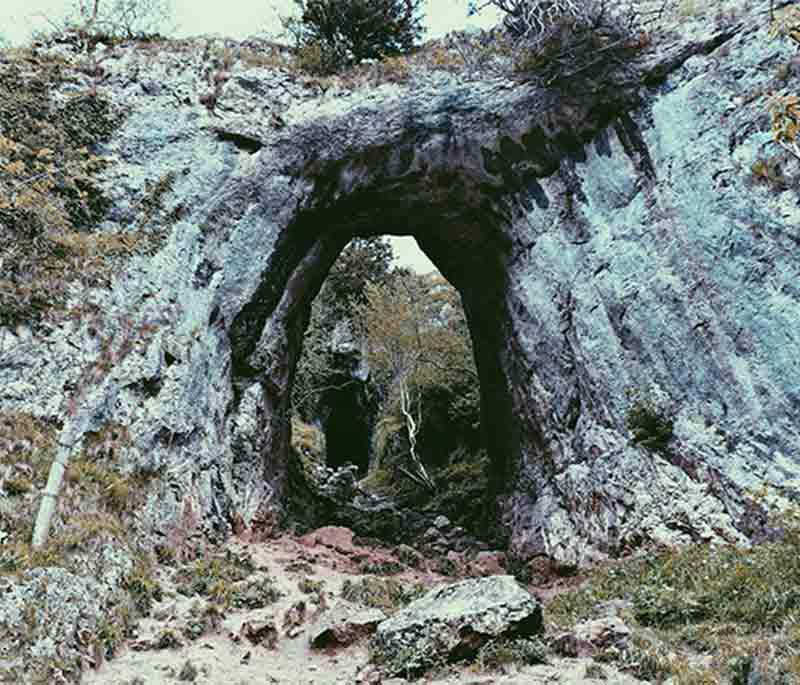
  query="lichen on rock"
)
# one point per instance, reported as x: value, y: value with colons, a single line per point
x: 453, y: 622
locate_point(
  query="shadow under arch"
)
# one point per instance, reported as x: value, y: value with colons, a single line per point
x: 467, y: 244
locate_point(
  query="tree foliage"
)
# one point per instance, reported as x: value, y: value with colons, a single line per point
x: 333, y: 34
x: 362, y: 262
x: 416, y: 330
x: 418, y: 346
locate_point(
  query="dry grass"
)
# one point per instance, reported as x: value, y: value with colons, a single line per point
x: 50, y: 200
x: 699, y: 612
x: 308, y: 441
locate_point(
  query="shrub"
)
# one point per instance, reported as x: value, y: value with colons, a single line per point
x: 559, y: 39
x: 118, y: 19
x: 333, y: 34
x: 785, y: 111
x: 211, y: 576
x: 499, y: 653
x: 537, y: 19
x: 651, y: 423
x: 380, y: 593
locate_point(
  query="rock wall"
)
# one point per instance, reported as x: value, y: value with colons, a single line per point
x: 603, y: 243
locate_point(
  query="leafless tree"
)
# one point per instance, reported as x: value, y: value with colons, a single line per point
x: 559, y: 39
x: 115, y: 19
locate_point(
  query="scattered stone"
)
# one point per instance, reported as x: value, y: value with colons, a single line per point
x: 344, y: 625
x: 452, y: 622
x: 441, y: 522
x: 449, y: 564
x: 489, y: 564
x: 590, y: 637
x: 605, y: 632
x: 294, y: 618
x: 430, y: 535
x: 260, y: 633
x: 369, y: 675
x: 300, y: 567
x: 188, y: 673
x: 381, y: 567
x: 566, y: 644
x: 409, y: 556
x: 335, y: 537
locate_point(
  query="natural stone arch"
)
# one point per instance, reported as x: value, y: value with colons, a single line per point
x: 466, y: 242
x: 447, y: 171
x: 611, y: 261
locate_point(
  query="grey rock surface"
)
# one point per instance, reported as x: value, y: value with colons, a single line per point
x: 604, y: 243
x: 454, y: 621
x: 50, y: 616
x: 345, y: 624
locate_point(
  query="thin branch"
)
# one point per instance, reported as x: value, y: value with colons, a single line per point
x: 793, y: 148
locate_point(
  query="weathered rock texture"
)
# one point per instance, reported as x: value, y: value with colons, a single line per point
x: 344, y: 625
x: 603, y: 242
x: 453, y: 622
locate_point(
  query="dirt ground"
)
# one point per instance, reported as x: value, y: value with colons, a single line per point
x: 225, y: 657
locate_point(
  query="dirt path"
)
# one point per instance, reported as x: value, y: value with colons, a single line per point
x: 225, y: 656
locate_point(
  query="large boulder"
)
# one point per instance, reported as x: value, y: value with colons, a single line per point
x: 344, y: 625
x: 50, y: 621
x: 453, y: 621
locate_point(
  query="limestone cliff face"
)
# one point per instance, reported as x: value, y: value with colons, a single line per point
x: 603, y: 243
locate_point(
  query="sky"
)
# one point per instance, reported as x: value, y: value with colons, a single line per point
x: 238, y: 19
x: 235, y: 18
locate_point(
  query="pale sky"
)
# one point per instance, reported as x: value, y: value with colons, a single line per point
x: 407, y: 253
x: 235, y: 18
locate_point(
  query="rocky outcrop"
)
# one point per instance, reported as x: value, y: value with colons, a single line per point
x: 50, y: 620
x: 453, y: 622
x: 605, y: 241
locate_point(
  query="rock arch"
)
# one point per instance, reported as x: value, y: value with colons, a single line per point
x: 599, y: 239
x: 504, y: 202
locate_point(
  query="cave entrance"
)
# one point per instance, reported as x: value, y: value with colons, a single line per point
x: 347, y: 427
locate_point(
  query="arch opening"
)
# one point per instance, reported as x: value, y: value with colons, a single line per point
x: 387, y: 372
x: 461, y: 228
x: 389, y: 379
